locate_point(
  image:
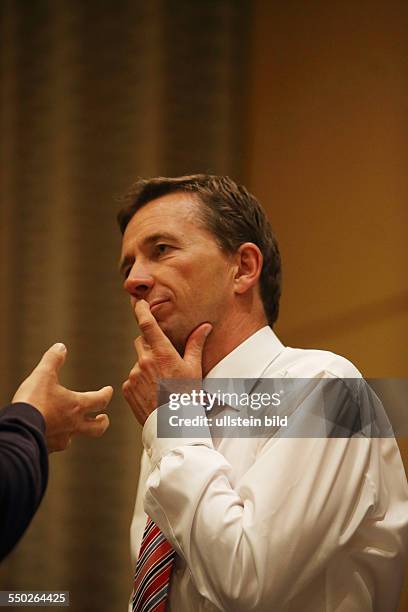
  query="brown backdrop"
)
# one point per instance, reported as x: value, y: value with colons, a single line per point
x: 93, y: 94
x: 327, y: 155
x: 305, y: 102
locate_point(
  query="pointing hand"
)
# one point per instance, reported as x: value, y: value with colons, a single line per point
x: 66, y: 412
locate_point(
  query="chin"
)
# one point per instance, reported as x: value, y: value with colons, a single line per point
x: 177, y: 338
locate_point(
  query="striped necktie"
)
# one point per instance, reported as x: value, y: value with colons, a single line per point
x: 153, y: 570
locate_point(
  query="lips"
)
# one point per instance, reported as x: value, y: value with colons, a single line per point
x: 156, y: 303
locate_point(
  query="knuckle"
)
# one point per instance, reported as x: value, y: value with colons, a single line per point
x: 77, y: 407
x: 63, y: 443
x: 43, y: 371
x: 133, y: 375
x: 146, y: 325
x: 127, y: 392
x: 145, y: 362
x: 99, y: 431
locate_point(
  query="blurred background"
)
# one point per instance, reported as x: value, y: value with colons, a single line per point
x: 304, y: 102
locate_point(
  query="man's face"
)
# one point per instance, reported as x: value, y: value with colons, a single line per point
x: 174, y: 263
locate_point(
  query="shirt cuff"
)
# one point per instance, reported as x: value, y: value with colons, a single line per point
x: 157, y: 447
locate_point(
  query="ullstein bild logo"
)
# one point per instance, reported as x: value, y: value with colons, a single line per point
x: 227, y: 420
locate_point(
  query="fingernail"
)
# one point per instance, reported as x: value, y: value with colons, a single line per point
x: 60, y: 347
x: 208, y: 331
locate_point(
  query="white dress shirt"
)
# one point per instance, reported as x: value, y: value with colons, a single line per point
x: 277, y: 524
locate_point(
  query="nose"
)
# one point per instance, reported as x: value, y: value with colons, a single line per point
x: 139, y: 281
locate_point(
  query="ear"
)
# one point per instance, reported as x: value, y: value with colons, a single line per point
x: 249, y: 262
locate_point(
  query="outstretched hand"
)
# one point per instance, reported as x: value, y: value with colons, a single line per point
x: 158, y: 359
x: 66, y: 412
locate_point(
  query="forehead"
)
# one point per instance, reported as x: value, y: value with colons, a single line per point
x: 176, y: 213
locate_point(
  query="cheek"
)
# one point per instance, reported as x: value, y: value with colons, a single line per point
x: 203, y: 280
x: 212, y: 283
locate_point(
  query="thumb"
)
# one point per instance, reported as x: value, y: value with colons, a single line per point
x: 195, y: 344
x: 54, y: 358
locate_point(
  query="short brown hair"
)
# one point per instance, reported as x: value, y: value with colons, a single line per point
x: 229, y: 212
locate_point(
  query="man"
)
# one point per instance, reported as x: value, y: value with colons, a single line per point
x: 42, y: 418
x: 288, y: 524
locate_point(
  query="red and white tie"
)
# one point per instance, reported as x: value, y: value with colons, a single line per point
x: 153, y: 570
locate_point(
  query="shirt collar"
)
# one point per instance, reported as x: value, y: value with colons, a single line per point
x: 250, y: 358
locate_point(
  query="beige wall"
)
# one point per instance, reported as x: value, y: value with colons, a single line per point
x: 327, y: 155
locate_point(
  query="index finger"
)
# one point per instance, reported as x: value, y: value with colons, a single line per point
x: 141, y: 346
x: 93, y: 401
x: 149, y: 327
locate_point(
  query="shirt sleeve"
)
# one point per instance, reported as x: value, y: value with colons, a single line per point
x: 23, y: 470
x: 256, y: 543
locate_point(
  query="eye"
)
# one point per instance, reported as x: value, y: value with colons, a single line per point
x: 162, y: 248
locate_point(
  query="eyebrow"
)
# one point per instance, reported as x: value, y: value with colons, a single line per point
x: 129, y: 259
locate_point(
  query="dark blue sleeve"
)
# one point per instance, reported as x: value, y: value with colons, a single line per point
x: 23, y: 470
